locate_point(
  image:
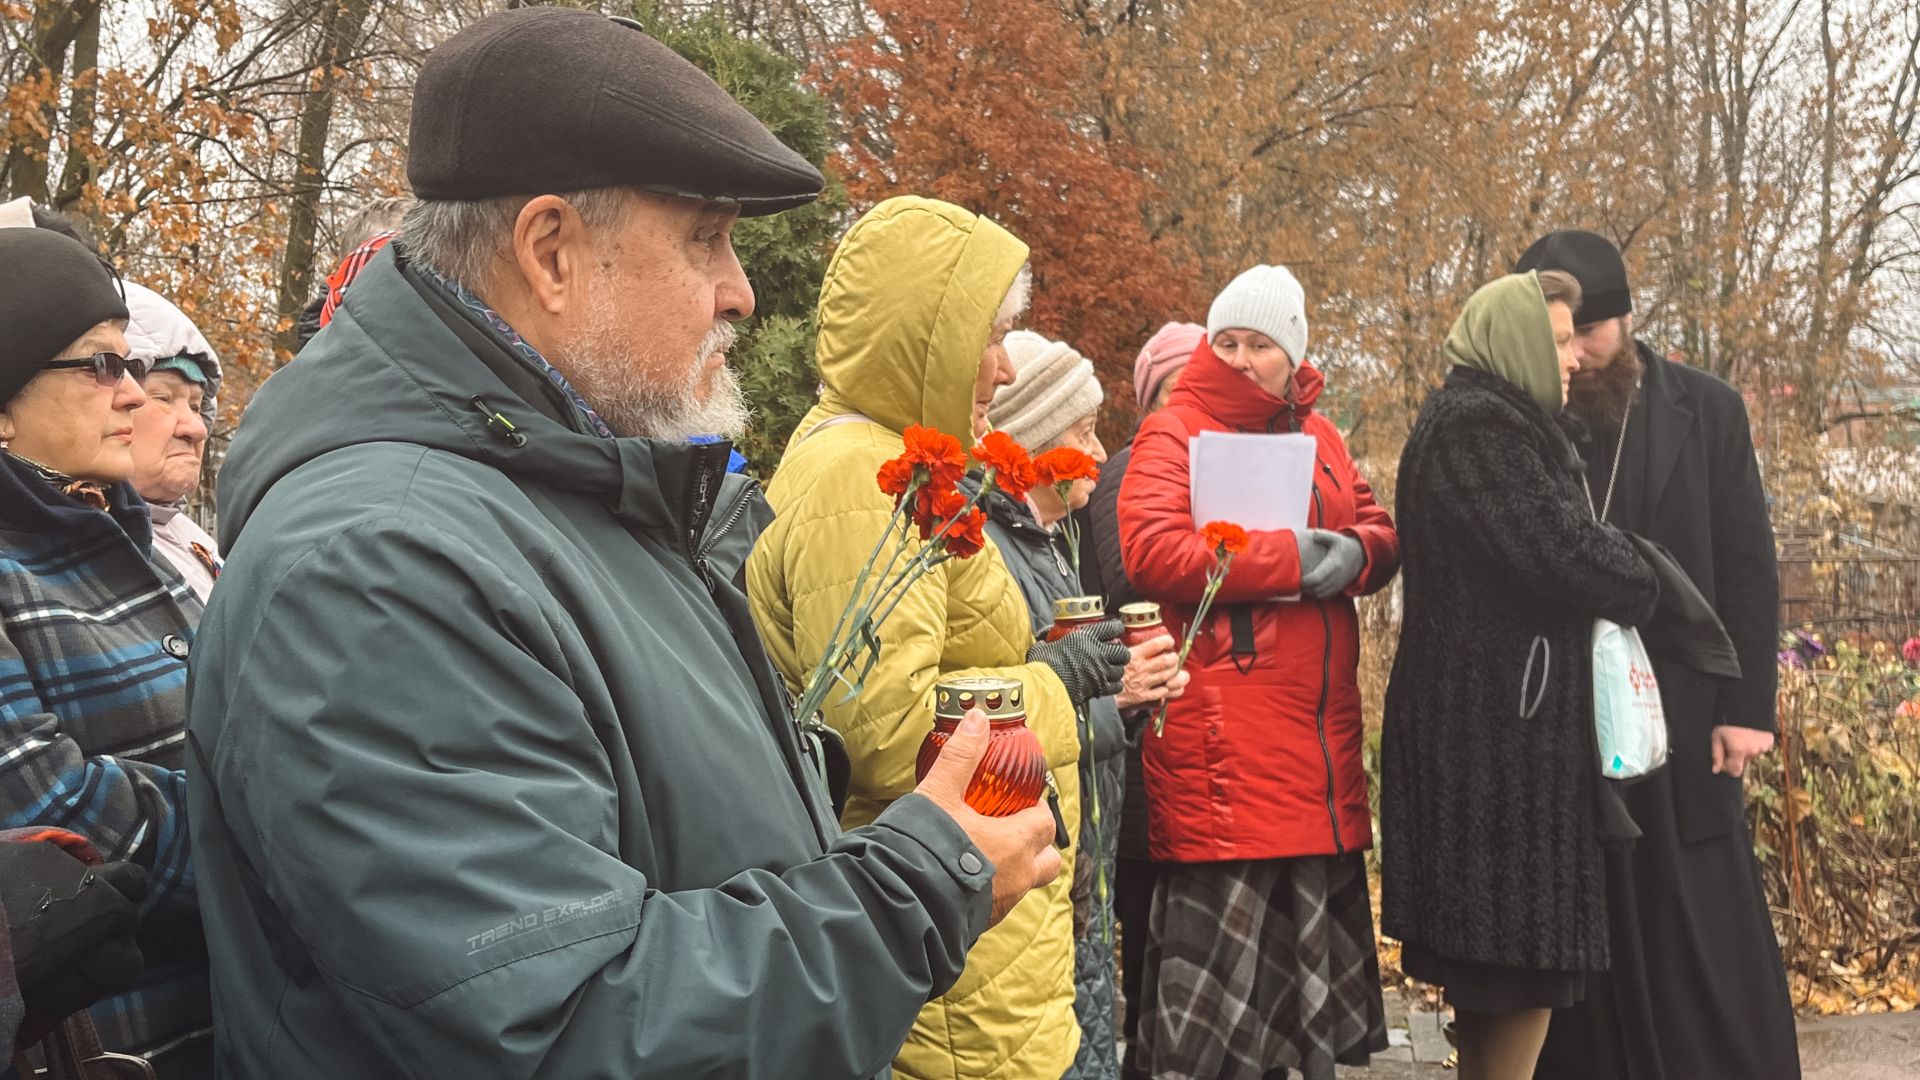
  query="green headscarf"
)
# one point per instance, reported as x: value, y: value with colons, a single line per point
x: 1504, y: 330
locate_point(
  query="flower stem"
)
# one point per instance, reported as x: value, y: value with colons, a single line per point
x: 930, y: 553
x: 1215, y: 578
x: 833, y: 658
x: 1072, y: 530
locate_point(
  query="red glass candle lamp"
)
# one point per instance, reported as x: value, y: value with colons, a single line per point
x: 1014, y: 772
x: 1072, y: 613
x: 1142, y: 623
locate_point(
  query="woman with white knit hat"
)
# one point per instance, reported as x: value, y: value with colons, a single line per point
x: 1261, y: 958
x: 1054, y: 401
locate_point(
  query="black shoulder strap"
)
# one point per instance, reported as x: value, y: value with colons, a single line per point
x: 1245, y: 649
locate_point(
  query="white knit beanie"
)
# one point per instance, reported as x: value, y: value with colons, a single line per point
x: 1267, y: 299
x: 1053, y: 388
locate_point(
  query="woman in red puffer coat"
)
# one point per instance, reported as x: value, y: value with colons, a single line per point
x: 1256, y: 790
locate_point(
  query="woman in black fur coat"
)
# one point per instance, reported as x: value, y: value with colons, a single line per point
x: 1490, y: 843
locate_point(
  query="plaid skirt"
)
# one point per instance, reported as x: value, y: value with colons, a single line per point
x: 1255, y: 968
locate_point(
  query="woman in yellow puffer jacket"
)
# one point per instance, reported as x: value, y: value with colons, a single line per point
x: 916, y: 301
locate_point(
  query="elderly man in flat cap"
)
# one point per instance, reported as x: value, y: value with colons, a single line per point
x: 496, y: 779
x: 1696, y: 990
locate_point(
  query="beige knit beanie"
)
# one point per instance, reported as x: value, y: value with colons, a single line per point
x: 1053, y: 388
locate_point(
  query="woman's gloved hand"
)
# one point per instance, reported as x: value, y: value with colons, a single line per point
x: 1329, y: 562
x: 1091, y: 662
x: 72, y: 927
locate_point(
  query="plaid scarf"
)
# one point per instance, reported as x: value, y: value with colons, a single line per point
x: 350, y: 268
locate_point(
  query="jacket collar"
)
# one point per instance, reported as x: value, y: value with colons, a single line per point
x: 504, y: 336
x: 1670, y: 417
x: 1563, y: 432
x: 1224, y: 394
x: 28, y: 503
x: 1016, y: 517
x: 403, y: 362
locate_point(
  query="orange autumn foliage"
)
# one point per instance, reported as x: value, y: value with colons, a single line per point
x: 988, y: 105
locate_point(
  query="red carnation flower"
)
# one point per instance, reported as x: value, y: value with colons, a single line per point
x: 896, y: 478
x: 969, y: 536
x: 1013, y: 470
x: 1224, y: 537
x: 1064, y: 465
x: 934, y: 507
x: 940, y: 453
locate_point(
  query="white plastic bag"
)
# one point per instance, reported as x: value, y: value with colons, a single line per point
x: 1627, y: 714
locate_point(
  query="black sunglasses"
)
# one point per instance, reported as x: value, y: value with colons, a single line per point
x: 108, y: 367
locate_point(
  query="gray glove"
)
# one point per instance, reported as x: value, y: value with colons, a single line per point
x: 1090, y: 662
x: 1329, y: 561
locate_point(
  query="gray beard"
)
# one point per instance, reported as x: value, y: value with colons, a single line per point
x: 601, y: 365
x: 1602, y: 402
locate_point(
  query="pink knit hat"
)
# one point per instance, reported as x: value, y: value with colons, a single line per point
x: 1167, y: 351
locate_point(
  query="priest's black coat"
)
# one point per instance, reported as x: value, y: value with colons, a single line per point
x: 1690, y: 482
x: 1696, y: 990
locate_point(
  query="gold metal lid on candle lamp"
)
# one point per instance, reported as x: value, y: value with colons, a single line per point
x: 1144, y: 613
x: 1079, y: 607
x: 999, y: 697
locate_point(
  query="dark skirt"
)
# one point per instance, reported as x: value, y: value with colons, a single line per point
x: 1492, y: 988
x: 1258, y: 967
x: 1133, y: 906
x: 1696, y: 990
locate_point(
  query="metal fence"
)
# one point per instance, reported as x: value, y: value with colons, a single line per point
x: 1873, y: 594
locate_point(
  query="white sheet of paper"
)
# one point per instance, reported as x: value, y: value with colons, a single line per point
x: 1253, y: 481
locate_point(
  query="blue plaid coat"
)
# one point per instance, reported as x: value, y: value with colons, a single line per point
x: 94, y: 636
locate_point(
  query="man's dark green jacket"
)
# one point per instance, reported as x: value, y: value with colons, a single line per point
x: 490, y: 774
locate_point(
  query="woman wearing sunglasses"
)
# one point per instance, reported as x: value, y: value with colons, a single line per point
x: 94, y: 632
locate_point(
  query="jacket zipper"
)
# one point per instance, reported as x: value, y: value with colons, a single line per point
x: 1320, y: 713
x: 789, y: 735
x: 701, y: 499
x: 1328, y: 469
x: 726, y: 524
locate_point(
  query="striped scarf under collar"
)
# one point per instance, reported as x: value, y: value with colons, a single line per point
x: 88, y: 493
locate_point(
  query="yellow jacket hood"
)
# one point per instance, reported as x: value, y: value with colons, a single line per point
x: 905, y: 354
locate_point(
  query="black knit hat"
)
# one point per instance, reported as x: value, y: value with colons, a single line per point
x: 1594, y: 262
x: 52, y: 291
x: 539, y: 100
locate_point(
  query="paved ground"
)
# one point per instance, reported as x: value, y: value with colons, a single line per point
x: 1831, y: 1048
x: 1861, y: 1047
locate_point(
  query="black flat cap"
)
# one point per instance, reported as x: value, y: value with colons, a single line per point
x: 1594, y: 262
x: 52, y: 291
x: 539, y: 100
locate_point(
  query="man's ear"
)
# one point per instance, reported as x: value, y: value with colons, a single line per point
x: 552, y: 253
x: 1626, y: 325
